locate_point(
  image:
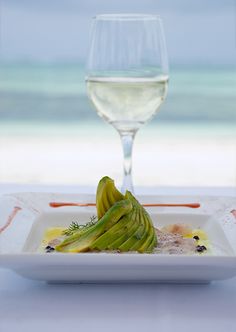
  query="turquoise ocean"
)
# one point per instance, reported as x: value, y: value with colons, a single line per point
x: 47, y: 126
x: 39, y: 97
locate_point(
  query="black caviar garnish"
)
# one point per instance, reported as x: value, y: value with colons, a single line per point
x: 196, y: 237
x: 200, y: 248
x: 49, y: 249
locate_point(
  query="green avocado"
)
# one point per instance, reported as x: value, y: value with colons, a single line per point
x: 106, y: 196
x: 103, y: 241
x: 83, y: 242
x: 128, y: 232
x: 143, y: 235
x: 123, y: 225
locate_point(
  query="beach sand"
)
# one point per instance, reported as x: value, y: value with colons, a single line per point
x: 161, y: 157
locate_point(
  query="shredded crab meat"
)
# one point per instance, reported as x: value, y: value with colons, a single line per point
x: 172, y: 243
x: 54, y: 242
x: 181, y: 229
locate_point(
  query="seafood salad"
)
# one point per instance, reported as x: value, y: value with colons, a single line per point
x: 123, y: 225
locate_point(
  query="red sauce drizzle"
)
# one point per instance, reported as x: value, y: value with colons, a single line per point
x: 10, y: 218
x: 233, y: 213
x: 189, y: 205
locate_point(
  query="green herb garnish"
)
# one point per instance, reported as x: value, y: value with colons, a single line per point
x: 75, y: 227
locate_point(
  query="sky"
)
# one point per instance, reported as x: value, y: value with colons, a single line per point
x: 197, y: 32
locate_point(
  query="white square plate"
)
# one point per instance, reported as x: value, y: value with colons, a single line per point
x: 25, y: 216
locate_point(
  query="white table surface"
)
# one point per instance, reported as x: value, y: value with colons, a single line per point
x: 27, y: 305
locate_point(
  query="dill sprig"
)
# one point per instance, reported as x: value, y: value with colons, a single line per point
x: 75, y: 227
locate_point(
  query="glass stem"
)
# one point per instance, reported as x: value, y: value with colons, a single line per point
x: 127, y: 140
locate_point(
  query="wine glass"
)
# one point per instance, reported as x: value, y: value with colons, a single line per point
x: 127, y: 75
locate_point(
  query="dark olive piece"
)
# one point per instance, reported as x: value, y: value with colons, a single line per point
x: 196, y: 237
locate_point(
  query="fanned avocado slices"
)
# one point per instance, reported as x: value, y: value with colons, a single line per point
x: 123, y: 225
x: 106, y: 196
x: 81, y: 243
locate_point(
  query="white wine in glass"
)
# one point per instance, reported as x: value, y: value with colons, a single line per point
x: 127, y: 75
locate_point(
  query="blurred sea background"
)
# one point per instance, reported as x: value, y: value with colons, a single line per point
x: 49, y: 131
